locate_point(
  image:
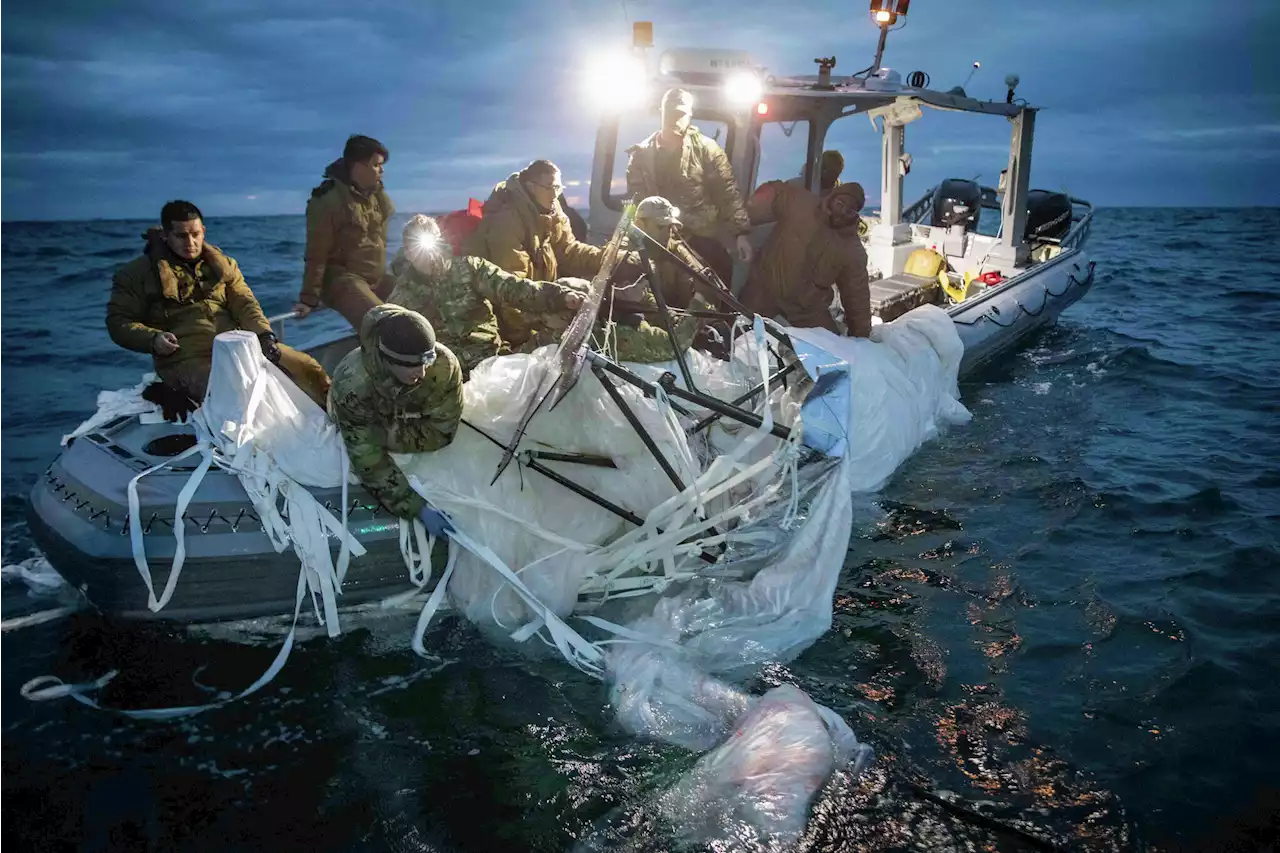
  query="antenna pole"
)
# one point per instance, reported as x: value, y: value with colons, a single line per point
x: 884, y: 34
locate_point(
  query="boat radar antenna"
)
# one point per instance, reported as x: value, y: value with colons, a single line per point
x: 885, y: 13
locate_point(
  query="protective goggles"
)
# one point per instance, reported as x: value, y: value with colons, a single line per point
x: 425, y: 359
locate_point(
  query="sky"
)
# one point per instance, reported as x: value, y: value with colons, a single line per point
x: 111, y: 109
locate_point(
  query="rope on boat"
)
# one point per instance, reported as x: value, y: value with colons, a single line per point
x: 1072, y: 281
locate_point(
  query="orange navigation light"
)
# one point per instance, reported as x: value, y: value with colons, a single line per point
x: 642, y: 34
x: 887, y: 12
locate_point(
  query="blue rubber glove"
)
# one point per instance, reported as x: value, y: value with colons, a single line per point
x: 436, y: 522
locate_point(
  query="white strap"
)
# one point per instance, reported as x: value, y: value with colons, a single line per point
x: 48, y: 687
x: 135, y: 523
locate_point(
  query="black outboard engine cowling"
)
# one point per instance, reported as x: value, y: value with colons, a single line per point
x: 957, y: 202
x: 1048, y: 215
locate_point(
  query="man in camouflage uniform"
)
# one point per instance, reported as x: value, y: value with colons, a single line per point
x: 680, y: 164
x: 659, y: 218
x: 460, y: 295
x: 181, y: 293
x: 400, y: 392
x: 347, y: 218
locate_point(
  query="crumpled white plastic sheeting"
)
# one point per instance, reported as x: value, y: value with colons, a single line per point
x: 779, y: 753
x: 902, y: 388
x: 113, y: 404
x: 545, y: 532
x: 271, y: 411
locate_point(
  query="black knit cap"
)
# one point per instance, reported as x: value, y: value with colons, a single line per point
x: 408, y: 334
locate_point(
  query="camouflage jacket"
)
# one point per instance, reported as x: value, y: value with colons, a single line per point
x: 378, y: 415
x: 460, y: 305
x: 157, y: 292
x: 642, y: 343
x: 704, y: 189
x: 346, y: 232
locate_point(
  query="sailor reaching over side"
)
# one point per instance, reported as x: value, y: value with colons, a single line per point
x: 460, y: 296
x: 400, y: 392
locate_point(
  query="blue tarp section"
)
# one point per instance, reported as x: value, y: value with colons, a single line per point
x: 825, y: 411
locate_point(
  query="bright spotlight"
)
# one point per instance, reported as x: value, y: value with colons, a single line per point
x: 617, y: 83
x: 426, y: 242
x: 742, y: 88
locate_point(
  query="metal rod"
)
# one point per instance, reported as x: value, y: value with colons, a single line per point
x: 715, y: 416
x: 884, y: 34
x: 726, y: 410
x: 706, y: 278
x: 627, y: 376
x: 581, y: 491
x: 664, y: 316
x: 638, y: 427
x: 579, y: 458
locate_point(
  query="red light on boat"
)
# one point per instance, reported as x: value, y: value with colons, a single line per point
x: 762, y: 109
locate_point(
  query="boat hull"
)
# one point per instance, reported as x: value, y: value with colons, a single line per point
x: 78, y: 515
x: 1000, y: 320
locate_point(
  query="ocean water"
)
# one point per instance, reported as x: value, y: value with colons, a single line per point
x: 1062, y: 631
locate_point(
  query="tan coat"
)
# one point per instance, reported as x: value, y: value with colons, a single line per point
x: 158, y: 292
x: 346, y: 233
x: 529, y: 242
x: 803, y: 259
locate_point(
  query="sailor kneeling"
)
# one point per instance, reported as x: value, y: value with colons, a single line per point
x: 400, y: 392
x: 180, y: 294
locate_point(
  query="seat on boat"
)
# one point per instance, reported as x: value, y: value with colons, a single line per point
x: 896, y: 295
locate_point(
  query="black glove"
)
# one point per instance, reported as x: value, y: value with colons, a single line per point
x: 174, y: 402
x: 631, y: 321
x: 270, y: 347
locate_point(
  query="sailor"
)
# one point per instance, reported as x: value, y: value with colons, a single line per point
x: 813, y: 248
x: 400, y: 392
x: 181, y: 293
x: 525, y: 231
x: 347, y: 218
x: 678, y: 163
x: 829, y: 169
x: 459, y: 295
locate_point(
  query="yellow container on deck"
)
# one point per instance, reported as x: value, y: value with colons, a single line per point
x: 925, y: 263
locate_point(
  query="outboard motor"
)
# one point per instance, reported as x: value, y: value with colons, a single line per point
x: 1048, y: 216
x: 957, y: 202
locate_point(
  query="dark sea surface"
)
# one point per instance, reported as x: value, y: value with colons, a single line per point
x: 1063, y: 632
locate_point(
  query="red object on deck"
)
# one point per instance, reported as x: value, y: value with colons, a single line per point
x: 458, y: 225
x: 990, y: 278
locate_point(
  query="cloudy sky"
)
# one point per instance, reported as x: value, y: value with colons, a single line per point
x: 109, y: 109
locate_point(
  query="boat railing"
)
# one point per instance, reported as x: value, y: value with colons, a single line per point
x: 917, y: 212
x: 279, y: 320
x: 1081, y: 223
x: 1079, y: 232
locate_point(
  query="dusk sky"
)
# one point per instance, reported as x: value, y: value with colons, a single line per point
x: 110, y: 109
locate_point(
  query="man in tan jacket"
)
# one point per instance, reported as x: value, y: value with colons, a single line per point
x: 813, y: 250
x: 181, y: 293
x: 525, y: 232
x: 347, y: 216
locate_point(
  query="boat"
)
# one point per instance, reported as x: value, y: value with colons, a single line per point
x: 1004, y: 283
x: 998, y: 288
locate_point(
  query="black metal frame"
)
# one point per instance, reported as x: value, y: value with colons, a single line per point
x: 603, y: 368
